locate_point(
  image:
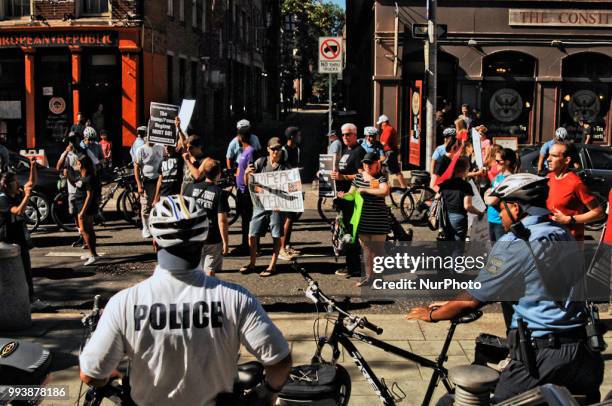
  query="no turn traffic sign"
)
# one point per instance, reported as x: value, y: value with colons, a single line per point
x: 330, y: 54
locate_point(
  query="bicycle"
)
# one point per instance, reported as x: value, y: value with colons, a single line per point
x: 344, y: 331
x: 118, y: 393
x: 228, y: 183
x: 32, y: 216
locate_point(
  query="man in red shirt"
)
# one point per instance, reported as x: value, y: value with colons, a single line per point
x: 608, y: 233
x: 569, y: 199
x: 388, y: 138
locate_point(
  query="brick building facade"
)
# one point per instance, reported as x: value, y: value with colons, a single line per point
x: 59, y: 57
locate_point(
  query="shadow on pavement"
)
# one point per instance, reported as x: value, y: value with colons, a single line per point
x: 61, y: 273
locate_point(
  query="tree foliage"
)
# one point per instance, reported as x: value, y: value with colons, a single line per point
x: 311, y: 19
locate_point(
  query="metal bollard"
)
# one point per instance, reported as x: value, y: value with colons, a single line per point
x: 474, y: 384
x: 14, y: 299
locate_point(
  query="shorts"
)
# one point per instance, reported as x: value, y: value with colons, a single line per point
x: 92, y: 210
x: 392, y: 162
x: 264, y: 219
x: 212, y: 258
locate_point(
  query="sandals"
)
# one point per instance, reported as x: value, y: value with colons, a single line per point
x: 364, y: 282
x: 268, y: 272
x: 247, y: 269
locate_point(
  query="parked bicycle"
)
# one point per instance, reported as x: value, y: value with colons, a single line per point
x: 127, y: 203
x: 228, y: 183
x: 345, y: 331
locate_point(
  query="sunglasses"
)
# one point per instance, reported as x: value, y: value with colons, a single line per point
x: 276, y: 149
x: 347, y: 134
x: 500, y: 161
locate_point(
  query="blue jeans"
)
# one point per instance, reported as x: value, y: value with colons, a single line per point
x: 457, y: 229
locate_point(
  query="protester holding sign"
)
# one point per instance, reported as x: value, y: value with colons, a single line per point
x: 262, y: 219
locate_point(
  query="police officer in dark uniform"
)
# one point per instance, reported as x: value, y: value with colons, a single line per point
x: 538, y: 266
x: 348, y: 166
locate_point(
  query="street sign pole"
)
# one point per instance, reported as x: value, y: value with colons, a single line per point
x: 431, y: 74
x: 329, y: 117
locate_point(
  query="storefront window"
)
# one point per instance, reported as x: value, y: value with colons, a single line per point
x: 507, y: 95
x: 584, y: 105
x: 95, y: 6
x: 16, y: 8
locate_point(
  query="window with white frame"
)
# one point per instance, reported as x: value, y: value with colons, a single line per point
x: 94, y: 6
x: 181, y: 10
x: 15, y: 8
x: 170, y: 10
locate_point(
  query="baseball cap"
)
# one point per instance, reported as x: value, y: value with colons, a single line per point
x: 291, y: 131
x: 142, y: 129
x: 274, y: 142
x: 331, y: 133
x: 382, y: 119
x: 369, y: 158
x: 243, y: 124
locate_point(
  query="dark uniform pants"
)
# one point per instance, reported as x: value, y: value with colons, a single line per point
x: 572, y: 365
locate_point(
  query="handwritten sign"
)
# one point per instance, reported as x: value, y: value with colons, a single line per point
x: 279, y: 190
x: 327, y: 186
x: 161, y: 124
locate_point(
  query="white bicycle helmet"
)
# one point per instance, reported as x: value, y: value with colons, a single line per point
x: 561, y: 134
x: 523, y: 188
x: 449, y: 132
x: 89, y: 133
x: 370, y: 132
x: 243, y: 124
x: 177, y: 220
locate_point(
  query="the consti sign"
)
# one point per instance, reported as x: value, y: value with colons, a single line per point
x: 557, y: 18
x: 58, y: 39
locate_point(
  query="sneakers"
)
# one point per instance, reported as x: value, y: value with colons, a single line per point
x: 92, y: 260
x: 78, y: 243
x: 345, y: 272
x: 145, y: 232
x: 284, y: 255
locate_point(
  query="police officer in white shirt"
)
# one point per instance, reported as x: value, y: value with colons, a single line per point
x: 181, y: 329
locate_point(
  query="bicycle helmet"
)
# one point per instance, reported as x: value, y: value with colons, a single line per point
x: 561, y: 134
x: 449, y: 132
x: 89, y: 133
x: 177, y: 220
x: 243, y: 124
x: 527, y: 189
x: 370, y: 132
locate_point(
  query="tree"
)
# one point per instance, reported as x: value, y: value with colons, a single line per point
x: 304, y: 21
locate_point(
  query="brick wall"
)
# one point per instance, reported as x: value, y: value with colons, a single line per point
x: 56, y: 9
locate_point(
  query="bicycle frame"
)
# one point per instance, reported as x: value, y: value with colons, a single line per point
x: 341, y: 335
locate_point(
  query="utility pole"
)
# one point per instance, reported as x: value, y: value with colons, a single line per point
x: 331, y: 104
x: 431, y: 76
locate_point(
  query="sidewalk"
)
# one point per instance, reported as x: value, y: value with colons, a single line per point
x: 61, y: 333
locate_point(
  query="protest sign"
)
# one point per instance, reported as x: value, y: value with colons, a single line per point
x: 279, y: 190
x: 161, y: 124
x: 477, y: 201
x: 185, y: 113
x: 477, y: 148
x: 327, y: 186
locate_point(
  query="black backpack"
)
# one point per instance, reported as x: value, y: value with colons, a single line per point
x: 317, y: 383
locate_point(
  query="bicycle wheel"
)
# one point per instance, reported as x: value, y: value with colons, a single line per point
x: 406, y: 205
x: 32, y: 217
x: 423, y: 197
x: 343, y: 381
x: 130, y: 207
x: 60, y: 212
x: 233, y: 213
x: 325, y: 207
x: 42, y: 204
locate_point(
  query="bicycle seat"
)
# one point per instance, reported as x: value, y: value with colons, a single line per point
x: 467, y: 318
x: 250, y: 374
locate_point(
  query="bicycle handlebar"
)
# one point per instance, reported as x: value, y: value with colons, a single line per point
x: 316, y: 295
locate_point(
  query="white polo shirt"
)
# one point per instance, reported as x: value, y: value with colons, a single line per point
x: 182, y: 331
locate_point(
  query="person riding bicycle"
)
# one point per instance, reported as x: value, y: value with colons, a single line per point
x: 536, y: 264
x: 560, y: 135
x: 181, y: 329
x: 370, y: 143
